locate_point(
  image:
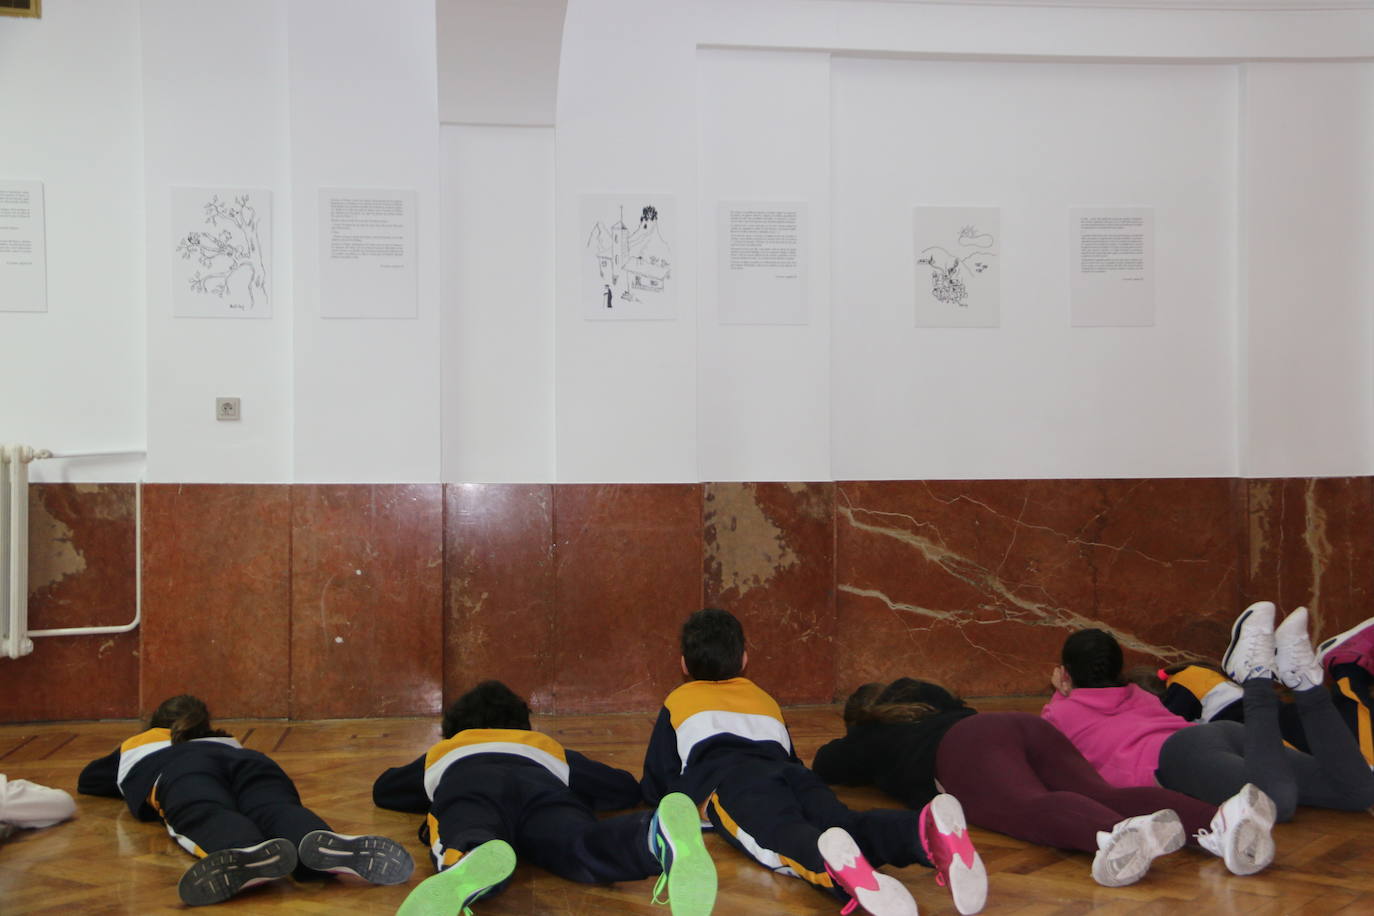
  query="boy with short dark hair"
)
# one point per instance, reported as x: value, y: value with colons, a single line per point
x: 722, y: 740
x: 494, y: 788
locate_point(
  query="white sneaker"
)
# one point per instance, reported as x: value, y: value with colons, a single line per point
x: 1242, y: 831
x: 1296, y: 662
x: 1124, y: 855
x: 1251, y: 652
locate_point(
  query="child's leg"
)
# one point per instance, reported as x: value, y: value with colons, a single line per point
x: 196, y: 803
x: 561, y: 835
x: 886, y: 837
x: 1215, y: 760
x: 756, y: 811
x: 1017, y: 774
x: 199, y: 809
x: 464, y: 817
x: 1335, y: 774
x: 268, y: 797
x: 1351, y: 693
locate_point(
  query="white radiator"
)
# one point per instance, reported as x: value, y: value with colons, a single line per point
x: 14, y: 551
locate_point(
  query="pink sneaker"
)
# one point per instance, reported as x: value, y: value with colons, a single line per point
x: 944, y: 837
x: 877, y: 893
x: 1354, y: 645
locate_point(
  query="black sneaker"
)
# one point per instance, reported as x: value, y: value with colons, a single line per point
x: 221, y: 875
x: 375, y: 859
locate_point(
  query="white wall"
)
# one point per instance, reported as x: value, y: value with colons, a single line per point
x: 498, y: 322
x: 233, y: 136
x: 1035, y: 397
x: 763, y: 392
x: 1253, y: 150
x: 1308, y: 186
x: 364, y: 114
x: 73, y: 378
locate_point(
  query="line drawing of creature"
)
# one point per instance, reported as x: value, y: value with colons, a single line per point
x: 950, y: 273
x: 225, y: 254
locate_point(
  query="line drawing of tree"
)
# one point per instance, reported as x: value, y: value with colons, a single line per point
x: 223, y: 254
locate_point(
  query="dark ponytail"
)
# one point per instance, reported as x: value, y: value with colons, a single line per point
x: 1092, y: 658
x: 187, y: 717
x: 904, y: 700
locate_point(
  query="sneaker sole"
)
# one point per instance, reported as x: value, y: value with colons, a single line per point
x: 968, y: 884
x: 1327, y: 646
x: 692, y: 876
x: 1124, y: 861
x: 1134, y: 850
x: 222, y: 874
x: 1251, y: 848
x: 375, y: 859
x: 890, y: 898
x: 447, y: 893
x: 1258, y: 806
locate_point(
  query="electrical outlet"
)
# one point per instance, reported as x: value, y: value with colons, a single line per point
x: 227, y: 409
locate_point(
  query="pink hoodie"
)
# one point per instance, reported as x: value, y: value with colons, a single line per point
x: 1119, y: 729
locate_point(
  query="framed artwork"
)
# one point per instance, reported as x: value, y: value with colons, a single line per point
x: 32, y: 9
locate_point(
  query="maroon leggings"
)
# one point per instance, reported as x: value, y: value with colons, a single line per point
x: 1015, y: 773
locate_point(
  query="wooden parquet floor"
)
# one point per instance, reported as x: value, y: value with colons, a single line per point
x: 105, y: 861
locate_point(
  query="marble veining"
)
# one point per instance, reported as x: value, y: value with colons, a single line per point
x: 1003, y: 597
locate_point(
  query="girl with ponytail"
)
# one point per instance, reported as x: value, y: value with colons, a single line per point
x: 234, y: 809
x: 1133, y: 740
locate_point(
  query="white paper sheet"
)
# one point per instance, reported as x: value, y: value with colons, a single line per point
x: 1112, y: 269
x: 367, y: 253
x: 958, y: 267
x: 222, y: 266
x: 627, y: 256
x: 23, y: 248
x: 762, y: 256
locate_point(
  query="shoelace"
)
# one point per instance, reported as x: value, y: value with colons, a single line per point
x: 661, y: 886
x: 853, y: 903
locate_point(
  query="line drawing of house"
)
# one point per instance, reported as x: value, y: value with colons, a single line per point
x: 630, y: 263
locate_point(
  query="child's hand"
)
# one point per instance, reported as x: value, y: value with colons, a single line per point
x: 1059, y: 680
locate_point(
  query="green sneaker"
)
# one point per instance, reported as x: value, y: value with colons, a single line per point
x: 450, y: 891
x: 688, y: 872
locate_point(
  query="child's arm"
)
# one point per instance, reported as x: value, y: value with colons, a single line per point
x: 402, y: 788
x: 603, y: 787
x: 662, y: 765
x: 101, y: 777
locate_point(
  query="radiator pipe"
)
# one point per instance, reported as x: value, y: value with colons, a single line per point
x: 138, y: 553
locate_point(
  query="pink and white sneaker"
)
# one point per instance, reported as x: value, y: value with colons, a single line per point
x: 944, y: 836
x: 877, y: 893
x: 1354, y: 645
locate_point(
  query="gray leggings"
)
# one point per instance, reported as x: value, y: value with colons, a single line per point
x: 1213, y: 760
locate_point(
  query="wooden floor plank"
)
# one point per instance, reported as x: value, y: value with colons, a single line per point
x: 106, y: 861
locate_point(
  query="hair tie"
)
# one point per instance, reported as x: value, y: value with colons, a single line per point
x: 1163, y: 676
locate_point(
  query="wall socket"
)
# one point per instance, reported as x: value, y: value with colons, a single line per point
x: 227, y: 409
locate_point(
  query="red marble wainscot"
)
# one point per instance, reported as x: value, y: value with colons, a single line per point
x: 1310, y: 541
x: 217, y: 596
x: 366, y: 600
x: 770, y: 560
x: 499, y: 589
x: 628, y: 560
x: 975, y: 584
x: 81, y: 573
